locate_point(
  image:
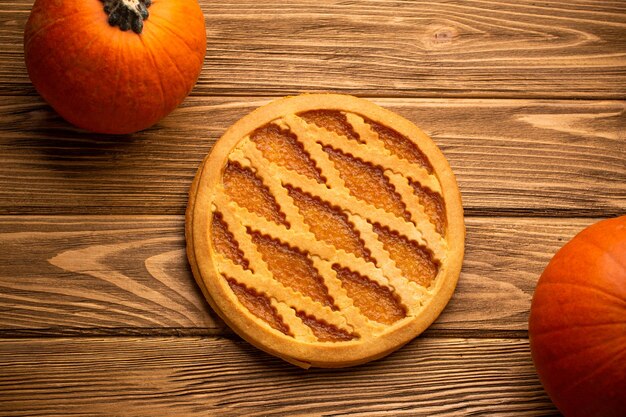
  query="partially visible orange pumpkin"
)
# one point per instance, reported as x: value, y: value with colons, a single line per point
x: 114, y: 66
x: 578, y: 323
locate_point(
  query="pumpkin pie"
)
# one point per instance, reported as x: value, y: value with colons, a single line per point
x: 325, y: 230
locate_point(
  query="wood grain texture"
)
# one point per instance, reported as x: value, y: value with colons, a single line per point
x: 81, y: 272
x: 475, y: 48
x: 102, y: 275
x: 99, y: 314
x: 199, y: 377
x: 511, y: 157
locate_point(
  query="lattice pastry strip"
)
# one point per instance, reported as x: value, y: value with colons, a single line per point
x: 352, y: 314
x: 310, y: 134
x: 372, y: 154
x: 309, y: 242
x: 325, y: 230
x: 269, y: 287
x: 412, y: 294
x: 365, y: 133
x: 317, y: 154
x: 264, y: 169
x: 276, y: 189
x: 306, y: 241
x: 275, y: 186
x: 415, y: 208
x: 256, y: 262
x: 371, y: 138
x: 297, y: 328
x: 339, y: 197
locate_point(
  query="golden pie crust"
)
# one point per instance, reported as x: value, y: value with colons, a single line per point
x: 325, y: 230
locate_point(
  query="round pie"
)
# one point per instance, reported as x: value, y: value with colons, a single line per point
x: 325, y: 230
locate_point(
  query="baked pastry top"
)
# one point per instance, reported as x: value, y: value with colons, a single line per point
x: 325, y: 230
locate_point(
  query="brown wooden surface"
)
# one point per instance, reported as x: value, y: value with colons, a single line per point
x: 390, y: 48
x: 511, y: 157
x: 200, y: 377
x: 129, y: 274
x: 99, y: 314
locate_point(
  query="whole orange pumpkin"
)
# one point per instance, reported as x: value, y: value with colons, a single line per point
x: 577, y: 323
x: 114, y: 66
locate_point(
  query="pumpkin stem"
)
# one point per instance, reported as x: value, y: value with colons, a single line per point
x: 127, y: 14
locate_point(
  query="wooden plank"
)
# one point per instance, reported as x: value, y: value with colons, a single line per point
x: 511, y: 157
x: 469, y: 48
x: 199, y: 377
x: 103, y: 275
x: 82, y: 272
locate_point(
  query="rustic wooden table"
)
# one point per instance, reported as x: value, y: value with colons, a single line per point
x: 99, y: 314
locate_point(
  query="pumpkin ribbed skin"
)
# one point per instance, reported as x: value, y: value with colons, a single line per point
x: 106, y: 80
x: 577, y: 323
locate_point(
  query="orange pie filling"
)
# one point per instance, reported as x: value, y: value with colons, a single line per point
x: 259, y: 305
x: 248, y: 191
x: 329, y: 223
x: 367, y: 183
x: 292, y: 268
x: 375, y: 302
